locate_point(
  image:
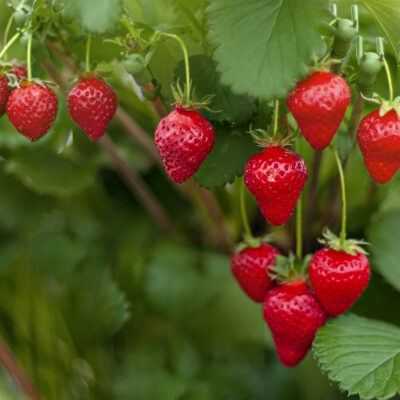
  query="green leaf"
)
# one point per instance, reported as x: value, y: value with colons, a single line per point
x: 263, y: 45
x: 226, y: 105
x: 362, y: 355
x: 94, y: 16
x: 45, y: 172
x: 232, y: 148
x: 385, y: 251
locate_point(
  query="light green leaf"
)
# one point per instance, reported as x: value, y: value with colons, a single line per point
x: 94, y: 16
x: 263, y: 45
x: 232, y: 148
x: 362, y: 355
x: 226, y: 105
x: 46, y: 173
x: 385, y: 251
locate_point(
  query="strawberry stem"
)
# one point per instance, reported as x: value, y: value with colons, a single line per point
x: 7, y: 30
x: 87, y: 57
x: 186, y: 58
x: 299, y: 230
x: 29, y: 56
x: 389, y: 79
x: 9, y: 44
x: 276, y: 119
x: 343, y: 188
x: 245, y: 219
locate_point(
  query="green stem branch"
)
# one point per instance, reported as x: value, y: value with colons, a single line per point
x: 299, y: 230
x: 389, y: 79
x: 276, y: 119
x: 245, y: 220
x: 343, y: 188
x: 28, y: 58
x: 87, y: 57
x: 9, y: 44
x: 7, y: 30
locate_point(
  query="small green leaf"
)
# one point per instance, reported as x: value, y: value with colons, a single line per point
x: 46, y: 173
x: 94, y: 16
x: 226, y: 105
x: 362, y: 355
x: 385, y: 251
x: 263, y: 45
x: 232, y: 148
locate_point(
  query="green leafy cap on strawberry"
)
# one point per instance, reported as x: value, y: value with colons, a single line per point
x: 253, y: 241
x: 289, y: 269
x: 350, y: 246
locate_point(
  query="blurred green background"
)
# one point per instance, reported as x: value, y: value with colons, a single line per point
x: 98, y: 302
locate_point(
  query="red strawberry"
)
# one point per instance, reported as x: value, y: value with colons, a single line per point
x: 338, y: 278
x: 92, y: 105
x: 4, y: 92
x: 32, y: 109
x: 379, y: 141
x: 184, y: 139
x: 249, y: 267
x: 294, y: 315
x: 19, y: 72
x: 318, y: 104
x: 276, y: 177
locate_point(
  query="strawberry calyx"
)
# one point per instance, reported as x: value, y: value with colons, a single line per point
x: 385, y: 105
x: 266, y: 138
x: 186, y: 98
x: 289, y: 269
x: 350, y: 246
x: 253, y: 242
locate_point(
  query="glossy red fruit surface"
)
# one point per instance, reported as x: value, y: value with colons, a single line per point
x: 319, y: 104
x: 19, y: 72
x: 338, y: 279
x: 249, y: 267
x: 92, y: 105
x: 4, y: 92
x: 32, y: 109
x: 379, y: 141
x: 184, y: 139
x: 276, y: 177
x: 293, y: 315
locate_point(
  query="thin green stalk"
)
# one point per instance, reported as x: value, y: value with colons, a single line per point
x: 87, y: 58
x: 186, y: 57
x: 245, y: 220
x: 7, y: 30
x: 28, y: 58
x: 389, y: 79
x: 344, y: 204
x: 276, y: 118
x: 9, y: 44
x: 299, y: 230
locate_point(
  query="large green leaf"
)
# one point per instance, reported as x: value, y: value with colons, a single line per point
x: 93, y: 15
x: 385, y: 250
x: 226, y: 105
x: 263, y: 45
x: 47, y: 173
x: 232, y: 148
x: 362, y: 355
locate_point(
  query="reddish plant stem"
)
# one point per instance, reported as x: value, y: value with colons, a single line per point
x: 16, y: 372
x: 157, y: 104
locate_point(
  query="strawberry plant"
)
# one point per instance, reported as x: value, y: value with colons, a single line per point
x: 199, y: 199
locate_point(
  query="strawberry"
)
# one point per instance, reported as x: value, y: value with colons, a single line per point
x: 318, y: 104
x: 293, y: 315
x: 19, y: 72
x: 184, y: 139
x: 4, y: 92
x: 249, y: 267
x: 92, y: 105
x: 338, y: 278
x: 379, y: 141
x: 32, y: 109
x: 276, y: 177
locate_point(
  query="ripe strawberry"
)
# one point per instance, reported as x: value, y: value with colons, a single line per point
x: 92, y: 105
x: 19, y: 72
x: 32, y: 109
x: 379, y: 141
x: 249, y: 267
x: 184, y: 139
x: 276, y: 177
x: 294, y: 315
x: 318, y: 104
x: 338, y: 278
x: 4, y: 92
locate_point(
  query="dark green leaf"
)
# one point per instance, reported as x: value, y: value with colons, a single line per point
x: 263, y: 45
x: 362, y: 355
x: 232, y: 148
x: 227, y: 105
